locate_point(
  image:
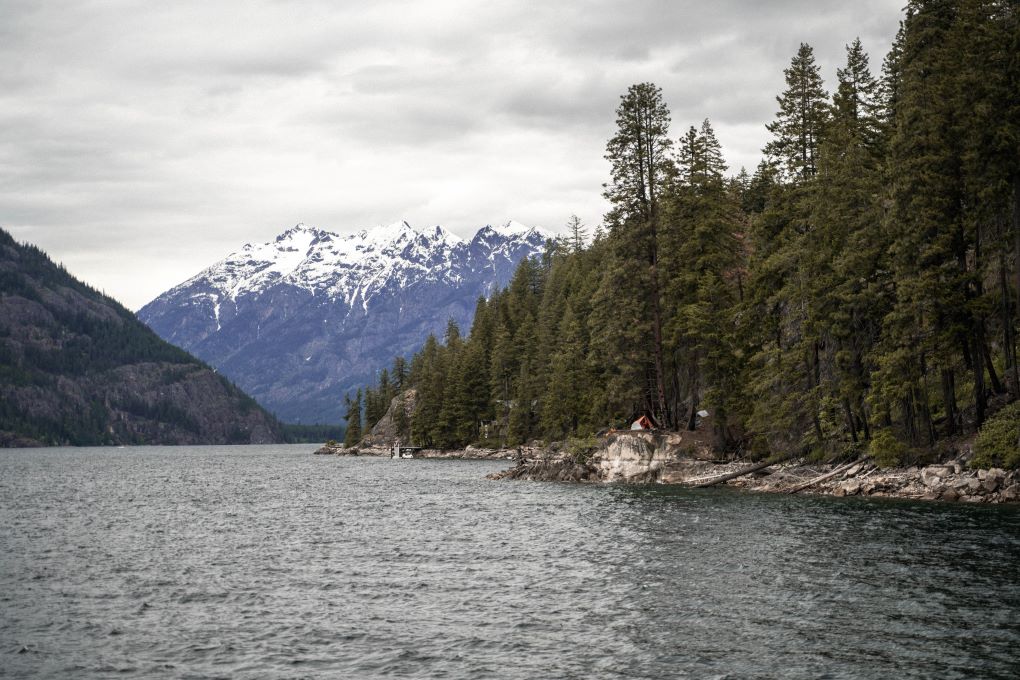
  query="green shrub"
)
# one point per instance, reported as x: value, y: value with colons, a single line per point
x: 998, y: 440
x: 851, y: 451
x: 582, y: 448
x: 886, y: 450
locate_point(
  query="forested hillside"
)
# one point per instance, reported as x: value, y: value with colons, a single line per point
x: 78, y: 368
x: 859, y: 289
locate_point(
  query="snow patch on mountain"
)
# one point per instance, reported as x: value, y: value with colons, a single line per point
x: 349, y: 301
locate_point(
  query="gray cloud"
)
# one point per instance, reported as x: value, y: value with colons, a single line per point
x: 140, y: 141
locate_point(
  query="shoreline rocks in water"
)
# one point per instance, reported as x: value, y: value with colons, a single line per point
x: 382, y: 451
x: 645, y: 457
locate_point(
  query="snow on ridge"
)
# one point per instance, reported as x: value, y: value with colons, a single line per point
x: 353, y: 267
x: 511, y: 228
x: 514, y: 229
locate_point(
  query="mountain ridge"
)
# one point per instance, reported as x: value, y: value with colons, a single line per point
x: 78, y: 368
x: 299, y: 320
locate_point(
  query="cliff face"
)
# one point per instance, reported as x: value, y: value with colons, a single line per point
x: 78, y: 368
x: 386, y: 432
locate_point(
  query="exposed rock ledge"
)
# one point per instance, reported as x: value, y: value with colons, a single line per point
x: 669, y: 458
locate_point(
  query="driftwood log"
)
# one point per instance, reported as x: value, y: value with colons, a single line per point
x: 743, y: 471
x: 827, y: 475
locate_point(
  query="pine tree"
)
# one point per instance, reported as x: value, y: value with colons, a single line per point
x: 703, y: 256
x: 352, y: 416
x: 400, y: 373
x: 851, y: 284
x: 401, y: 421
x: 856, y: 101
x: 427, y: 375
x: 800, y: 121
x: 639, y: 153
x: 563, y: 402
x: 785, y: 370
x: 577, y: 234
x: 522, y: 420
x: 849, y: 292
x: 930, y: 320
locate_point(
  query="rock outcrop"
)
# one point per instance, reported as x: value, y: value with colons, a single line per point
x: 681, y: 458
x: 386, y: 432
x: 645, y: 455
x: 380, y: 451
x: 634, y: 456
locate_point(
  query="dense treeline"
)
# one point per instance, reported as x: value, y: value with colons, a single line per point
x: 307, y: 434
x: 860, y: 289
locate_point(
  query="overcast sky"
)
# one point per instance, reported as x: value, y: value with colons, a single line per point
x: 142, y: 141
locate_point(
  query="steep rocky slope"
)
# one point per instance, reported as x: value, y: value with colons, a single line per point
x: 78, y: 368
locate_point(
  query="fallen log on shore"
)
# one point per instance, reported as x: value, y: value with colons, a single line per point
x: 744, y: 471
x: 827, y: 475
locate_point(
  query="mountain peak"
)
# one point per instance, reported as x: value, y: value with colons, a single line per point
x: 444, y: 235
x: 352, y: 301
x: 391, y: 232
x: 512, y: 229
x: 299, y: 228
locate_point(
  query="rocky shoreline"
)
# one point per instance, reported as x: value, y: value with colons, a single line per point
x: 380, y: 451
x: 666, y: 458
x: 684, y: 459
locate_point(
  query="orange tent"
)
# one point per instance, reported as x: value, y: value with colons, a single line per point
x: 642, y: 423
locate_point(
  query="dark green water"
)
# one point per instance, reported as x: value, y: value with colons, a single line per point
x: 269, y: 562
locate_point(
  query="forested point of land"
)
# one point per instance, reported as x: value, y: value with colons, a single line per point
x: 859, y: 291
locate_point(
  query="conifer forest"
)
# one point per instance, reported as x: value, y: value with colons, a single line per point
x: 857, y: 291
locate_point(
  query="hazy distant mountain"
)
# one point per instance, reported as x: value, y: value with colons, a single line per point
x: 302, y: 319
x: 78, y: 368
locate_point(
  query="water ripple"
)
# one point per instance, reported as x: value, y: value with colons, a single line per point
x: 203, y: 562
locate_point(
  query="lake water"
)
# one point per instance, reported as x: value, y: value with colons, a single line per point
x: 270, y: 562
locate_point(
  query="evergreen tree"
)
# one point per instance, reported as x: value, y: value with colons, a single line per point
x: 427, y: 375
x: 703, y: 256
x: 856, y: 102
x: 929, y: 319
x: 866, y: 277
x: 785, y: 370
x: 797, y: 130
x: 577, y: 234
x: 401, y: 421
x: 849, y: 293
x: 352, y: 416
x: 400, y: 373
x: 639, y: 154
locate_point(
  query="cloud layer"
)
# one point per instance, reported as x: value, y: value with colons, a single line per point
x: 141, y: 141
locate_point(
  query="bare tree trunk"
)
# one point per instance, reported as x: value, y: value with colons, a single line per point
x: 849, y: 415
x: 811, y: 385
x: 909, y: 420
x: 949, y: 400
x: 662, y: 411
x: 924, y: 402
x: 993, y: 377
x: 1016, y: 242
x: 980, y: 398
x: 864, y: 419
x: 692, y: 420
x: 1008, y: 344
x: 828, y: 475
x: 745, y: 471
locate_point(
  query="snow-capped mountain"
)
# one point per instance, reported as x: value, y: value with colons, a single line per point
x: 299, y: 321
